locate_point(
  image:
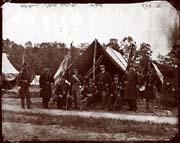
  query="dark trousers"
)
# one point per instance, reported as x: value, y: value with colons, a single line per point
x: 68, y: 103
x: 60, y: 102
x: 45, y: 101
x: 24, y: 95
x: 132, y: 104
x: 92, y: 100
x: 110, y: 102
x: 76, y: 95
x: 104, y: 99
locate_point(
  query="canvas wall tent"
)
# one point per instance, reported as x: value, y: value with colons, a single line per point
x: 35, y: 80
x: 9, y: 73
x: 8, y: 69
x: 113, y: 61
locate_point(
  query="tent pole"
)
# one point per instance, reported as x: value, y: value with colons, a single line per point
x: 94, y: 61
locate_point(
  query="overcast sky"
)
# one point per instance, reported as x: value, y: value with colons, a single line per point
x: 145, y: 22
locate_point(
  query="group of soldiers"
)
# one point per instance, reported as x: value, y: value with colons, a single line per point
x: 81, y: 92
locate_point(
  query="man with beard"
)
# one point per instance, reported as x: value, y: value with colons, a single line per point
x: 46, y: 79
x: 130, y: 88
x: 149, y: 90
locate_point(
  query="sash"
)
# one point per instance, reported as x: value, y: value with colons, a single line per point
x: 77, y: 79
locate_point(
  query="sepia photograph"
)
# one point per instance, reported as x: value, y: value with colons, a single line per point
x: 90, y: 72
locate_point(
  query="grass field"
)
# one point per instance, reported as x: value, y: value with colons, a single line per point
x: 18, y: 126
x: 99, y: 126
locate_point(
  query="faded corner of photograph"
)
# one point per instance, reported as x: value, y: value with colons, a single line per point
x: 90, y: 72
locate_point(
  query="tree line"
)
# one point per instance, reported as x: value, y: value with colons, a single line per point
x: 51, y: 54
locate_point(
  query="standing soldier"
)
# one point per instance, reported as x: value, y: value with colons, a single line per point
x: 130, y: 88
x: 149, y: 90
x: 46, y: 79
x: 104, y: 80
x: 62, y: 93
x: 24, y: 83
x: 115, y: 98
x: 76, y: 85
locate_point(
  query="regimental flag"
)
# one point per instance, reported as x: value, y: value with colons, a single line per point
x: 62, y: 68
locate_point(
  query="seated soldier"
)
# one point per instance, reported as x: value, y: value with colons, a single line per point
x: 62, y: 90
x: 90, y: 93
x: 115, y: 98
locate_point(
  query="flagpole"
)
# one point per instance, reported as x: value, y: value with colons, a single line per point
x: 94, y: 60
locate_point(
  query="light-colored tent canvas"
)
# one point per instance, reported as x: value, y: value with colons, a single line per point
x: 117, y: 57
x: 8, y: 69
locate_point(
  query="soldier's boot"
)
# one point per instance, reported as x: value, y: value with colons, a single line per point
x: 152, y: 107
x: 22, y: 104
x: 28, y: 102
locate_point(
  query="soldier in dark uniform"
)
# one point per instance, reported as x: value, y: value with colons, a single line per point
x: 46, y: 79
x: 76, y: 85
x: 62, y: 93
x: 90, y: 93
x: 149, y: 90
x: 115, y: 97
x: 24, y: 83
x: 104, y: 80
x: 130, y: 88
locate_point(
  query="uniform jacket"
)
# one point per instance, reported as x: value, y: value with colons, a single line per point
x: 103, y: 79
x: 149, y: 86
x: 45, y: 83
x: 115, y: 88
x: 23, y: 78
x: 130, y: 85
x: 89, y: 90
